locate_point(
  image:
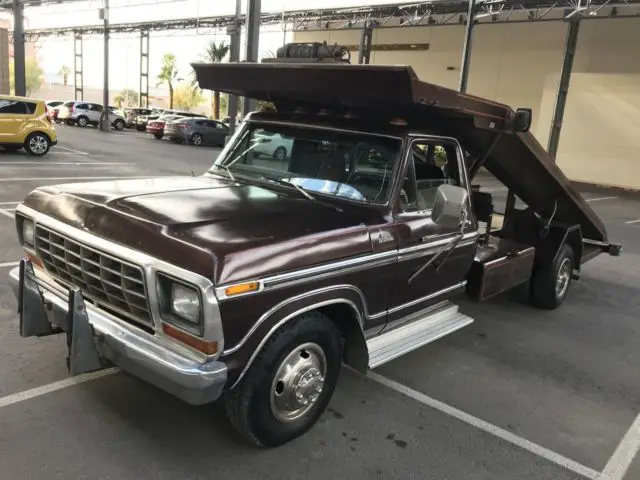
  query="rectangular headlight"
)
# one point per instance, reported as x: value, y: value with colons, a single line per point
x: 28, y: 232
x: 180, y: 304
x: 185, y: 302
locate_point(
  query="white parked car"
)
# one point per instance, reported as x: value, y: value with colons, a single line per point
x: 85, y: 113
x: 272, y: 145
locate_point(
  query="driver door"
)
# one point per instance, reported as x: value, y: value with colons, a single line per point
x: 431, y: 162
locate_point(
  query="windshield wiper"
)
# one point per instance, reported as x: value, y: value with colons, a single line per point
x: 291, y: 184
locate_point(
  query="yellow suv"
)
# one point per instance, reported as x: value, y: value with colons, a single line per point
x: 26, y: 123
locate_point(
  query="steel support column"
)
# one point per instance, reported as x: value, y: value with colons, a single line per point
x: 563, y: 87
x: 364, y: 53
x: 252, y: 24
x: 78, y: 83
x: 234, y: 56
x: 105, y: 124
x: 466, y: 50
x: 143, y: 99
x: 19, y: 73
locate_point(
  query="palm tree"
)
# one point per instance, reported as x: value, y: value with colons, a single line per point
x: 169, y: 74
x: 64, y: 71
x: 213, y: 53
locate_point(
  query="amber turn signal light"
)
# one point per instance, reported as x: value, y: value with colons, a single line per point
x: 208, y: 348
x: 35, y: 261
x: 241, y: 288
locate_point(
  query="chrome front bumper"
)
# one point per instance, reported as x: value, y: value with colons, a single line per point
x: 45, y: 309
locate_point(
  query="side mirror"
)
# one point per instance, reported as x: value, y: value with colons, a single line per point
x: 449, y: 206
x: 522, y: 121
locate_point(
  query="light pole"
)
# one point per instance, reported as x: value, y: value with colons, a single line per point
x: 105, y: 125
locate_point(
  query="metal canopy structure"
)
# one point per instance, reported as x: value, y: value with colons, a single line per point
x: 421, y: 13
x: 366, y: 19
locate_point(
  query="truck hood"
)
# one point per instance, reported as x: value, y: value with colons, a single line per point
x: 224, y: 230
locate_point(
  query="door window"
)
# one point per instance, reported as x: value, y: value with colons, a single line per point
x: 13, y: 107
x: 431, y: 163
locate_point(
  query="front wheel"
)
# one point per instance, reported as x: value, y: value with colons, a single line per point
x: 119, y: 124
x: 196, y: 139
x: 37, y: 144
x: 158, y: 136
x: 550, y: 283
x: 290, y: 383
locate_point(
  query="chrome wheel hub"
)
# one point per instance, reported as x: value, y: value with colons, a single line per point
x: 298, y: 382
x: 38, y: 144
x: 562, y: 280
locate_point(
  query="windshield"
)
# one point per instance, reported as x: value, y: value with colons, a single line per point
x: 355, y: 166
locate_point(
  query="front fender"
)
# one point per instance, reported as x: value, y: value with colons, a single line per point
x: 240, y: 356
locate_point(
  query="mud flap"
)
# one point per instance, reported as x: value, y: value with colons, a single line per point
x: 31, y: 305
x: 83, y: 354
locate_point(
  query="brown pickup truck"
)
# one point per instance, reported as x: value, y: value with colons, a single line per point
x: 335, y: 226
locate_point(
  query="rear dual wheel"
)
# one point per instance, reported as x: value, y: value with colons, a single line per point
x: 550, y: 283
x: 289, y: 384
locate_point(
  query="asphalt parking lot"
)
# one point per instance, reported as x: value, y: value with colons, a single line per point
x: 519, y: 394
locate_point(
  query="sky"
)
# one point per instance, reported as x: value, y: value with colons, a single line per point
x: 124, y: 58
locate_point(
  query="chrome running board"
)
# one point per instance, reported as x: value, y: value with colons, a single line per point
x: 409, y: 336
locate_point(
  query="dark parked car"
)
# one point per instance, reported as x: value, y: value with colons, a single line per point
x: 256, y: 280
x: 197, y: 131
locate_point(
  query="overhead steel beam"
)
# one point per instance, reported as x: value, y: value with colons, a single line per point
x: 252, y: 44
x: 571, y: 43
x: 143, y: 98
x: 19, y: 70
x: 429, y: 13
x: 466, y: 49
x: 78, y: 80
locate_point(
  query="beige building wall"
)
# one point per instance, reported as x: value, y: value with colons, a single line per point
x: 519, y: 64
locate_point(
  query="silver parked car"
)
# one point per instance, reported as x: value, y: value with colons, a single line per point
x: 86, y: 113
x: 197, y: 131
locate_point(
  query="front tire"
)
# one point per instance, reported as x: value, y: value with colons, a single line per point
x: 158, y: 136
x: 119, y: 125
x: 196, y: 139
x: 550, y: 284
x: 37, y: 144
x: 290, y: 383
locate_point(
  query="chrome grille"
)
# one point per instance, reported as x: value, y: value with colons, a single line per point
x: 111, y: 283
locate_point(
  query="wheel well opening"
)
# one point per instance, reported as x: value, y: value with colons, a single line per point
x: 346, y: 318
x: 38, y: 132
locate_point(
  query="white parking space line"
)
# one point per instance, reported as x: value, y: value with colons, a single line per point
x: 9, y: 264
x: 71, y: 150
x: 7, y: 213
x: 621, y: 459
x: 599, y: 199
x: 632, y: 221
x: 489, y: 428
x: 65, y: 163
x: 9, y: 203
x: 52, y: 387
x: 26, y: 179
